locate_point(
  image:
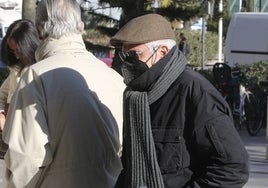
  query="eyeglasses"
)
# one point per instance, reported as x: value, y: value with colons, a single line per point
x: 129, y: 54
x: 132, y: 54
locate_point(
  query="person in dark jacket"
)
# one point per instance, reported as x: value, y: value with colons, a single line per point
x: 183, y: 45
x: 178, y: 130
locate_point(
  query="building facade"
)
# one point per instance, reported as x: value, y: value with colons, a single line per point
x: 239, y: 5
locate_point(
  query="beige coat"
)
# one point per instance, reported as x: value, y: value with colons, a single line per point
x: 60, y: 130
x: 8, y: 87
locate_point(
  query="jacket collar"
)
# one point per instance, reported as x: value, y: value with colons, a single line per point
x: 65, y: 44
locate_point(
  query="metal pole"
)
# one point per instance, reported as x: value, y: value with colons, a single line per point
x: 267, y: 129
x: 203, y: 43
x: 220, y: 34
x: 264, y: 83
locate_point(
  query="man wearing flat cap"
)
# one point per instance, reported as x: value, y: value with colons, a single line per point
x: 178, y: 130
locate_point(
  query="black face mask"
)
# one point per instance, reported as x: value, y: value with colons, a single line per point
x: 132, y: 67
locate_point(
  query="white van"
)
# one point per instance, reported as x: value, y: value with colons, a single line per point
x: 247, y: 38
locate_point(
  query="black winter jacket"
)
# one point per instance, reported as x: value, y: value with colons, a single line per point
x: 195, y: 139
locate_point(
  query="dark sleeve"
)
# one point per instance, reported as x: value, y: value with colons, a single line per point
x: 222, y: 158
x: 117, y: 62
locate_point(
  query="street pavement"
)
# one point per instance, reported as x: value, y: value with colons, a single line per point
x: 256, y: 146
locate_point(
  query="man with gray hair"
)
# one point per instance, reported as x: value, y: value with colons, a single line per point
x: 62, y: 125
x: 178, y: 129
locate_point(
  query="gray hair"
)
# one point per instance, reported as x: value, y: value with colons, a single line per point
x: 170, y: 43
x: 55, y: 18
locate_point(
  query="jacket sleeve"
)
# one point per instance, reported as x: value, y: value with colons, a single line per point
x: 4, y: 93
x: 26, y: 133
x: 222, y: 157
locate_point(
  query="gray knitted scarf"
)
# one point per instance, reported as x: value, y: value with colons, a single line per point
x: 142, y: 169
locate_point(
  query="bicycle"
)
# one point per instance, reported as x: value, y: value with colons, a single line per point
x: 256, y: 110
x: 232, y: 86
x: 248, y: 108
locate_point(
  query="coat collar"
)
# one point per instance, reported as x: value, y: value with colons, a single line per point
x: 65, y: 44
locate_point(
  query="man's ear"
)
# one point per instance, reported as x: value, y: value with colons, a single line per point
x: 39, y: 32
x: 163, y: 50
x: 82, y: 26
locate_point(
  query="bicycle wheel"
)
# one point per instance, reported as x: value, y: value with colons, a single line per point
x: 238, y: 120
x: 254, y: 115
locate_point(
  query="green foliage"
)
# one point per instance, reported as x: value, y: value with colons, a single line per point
x: 93, y: 20
x: 96, y: 42
x: 3, y: 74
x: 185, y: 10
x: 252, y: 75
x: 213, y: 20
x: 166, y: 3
x: 194, y: 39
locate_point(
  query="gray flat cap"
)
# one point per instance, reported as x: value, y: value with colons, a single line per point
x: 143, y: 29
